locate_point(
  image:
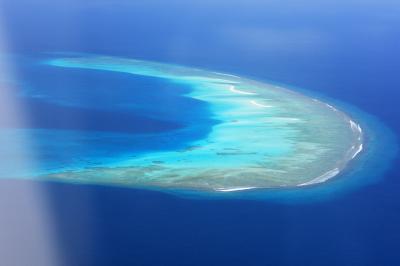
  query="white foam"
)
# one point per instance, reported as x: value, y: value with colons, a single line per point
x: 234, y: 90
x: 228, y: 75
x: 360, y: 148
x: 354, y: 126
x: 253, y: 102
x: 322, y: 178
x: 234, y: 189
x: 331, y: 107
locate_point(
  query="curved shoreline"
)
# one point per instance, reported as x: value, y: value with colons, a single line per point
x: 244, y: 106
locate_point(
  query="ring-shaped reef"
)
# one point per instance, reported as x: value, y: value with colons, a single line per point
x: 267, y: 136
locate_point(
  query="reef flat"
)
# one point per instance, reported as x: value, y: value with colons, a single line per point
x: 267, y: 136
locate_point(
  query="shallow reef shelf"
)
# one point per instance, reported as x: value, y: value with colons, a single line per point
x: 267, y: 136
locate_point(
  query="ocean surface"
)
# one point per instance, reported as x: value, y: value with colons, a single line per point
x: 342, y: 50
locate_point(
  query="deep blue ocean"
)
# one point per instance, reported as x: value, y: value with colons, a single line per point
x: 346, y: 50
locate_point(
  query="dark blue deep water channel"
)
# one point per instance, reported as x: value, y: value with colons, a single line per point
x: 347, y: 50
